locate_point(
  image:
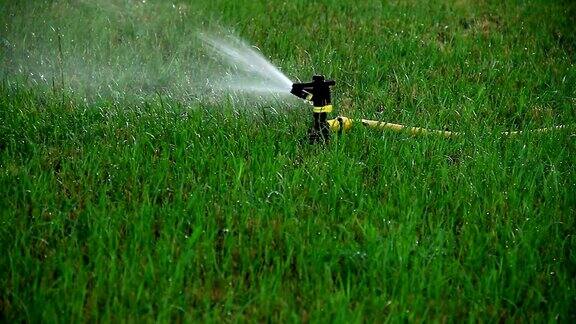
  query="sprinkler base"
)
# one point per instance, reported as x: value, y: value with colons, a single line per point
x: 320, y: 130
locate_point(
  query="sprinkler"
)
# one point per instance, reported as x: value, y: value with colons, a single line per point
x: 318, y: 92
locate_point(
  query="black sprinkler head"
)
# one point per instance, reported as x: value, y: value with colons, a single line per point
x: 319, y: 93
x: 318, y: 78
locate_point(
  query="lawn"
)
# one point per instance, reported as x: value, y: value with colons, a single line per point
x: 128, y: 192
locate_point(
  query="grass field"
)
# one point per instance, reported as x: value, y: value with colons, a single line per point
x: 137, y: 202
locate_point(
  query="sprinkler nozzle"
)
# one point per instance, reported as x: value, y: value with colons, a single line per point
x: 318, y: 91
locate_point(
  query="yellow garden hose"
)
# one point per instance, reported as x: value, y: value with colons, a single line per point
x: 341, y: 123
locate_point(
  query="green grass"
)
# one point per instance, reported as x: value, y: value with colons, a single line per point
x: 168, y: 209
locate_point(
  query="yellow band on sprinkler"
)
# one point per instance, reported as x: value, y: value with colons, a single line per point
x: 323, y: 109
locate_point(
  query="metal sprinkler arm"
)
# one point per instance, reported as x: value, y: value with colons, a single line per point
x: 302, y: 90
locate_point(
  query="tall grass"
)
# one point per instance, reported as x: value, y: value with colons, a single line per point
x: 167, y: 209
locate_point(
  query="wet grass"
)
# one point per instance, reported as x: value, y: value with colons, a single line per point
x: 161, y: 209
